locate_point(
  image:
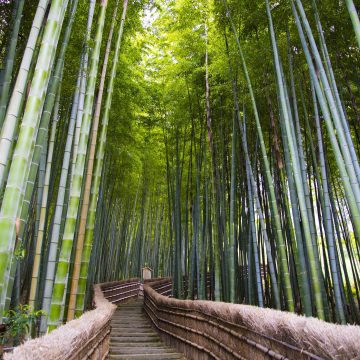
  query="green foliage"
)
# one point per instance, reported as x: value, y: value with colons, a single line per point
x: 18, y: 323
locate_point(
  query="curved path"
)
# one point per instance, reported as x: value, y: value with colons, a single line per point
x: 132, y: 336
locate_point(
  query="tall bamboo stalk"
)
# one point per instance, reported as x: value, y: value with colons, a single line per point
x: 336, y: 111
x: 89, y: 231
x: 269, y: 180
x: 62, y: 272
x: 350, y: 196
x: 12, y: 201
x: 354, y: 19
x: 232, y: 232
x: 59, y: 209
x: 7, y: 75
x: 327, y: 218
x: 89, y: 173
x: 84, y: 79
x: 297, y: 174
x: 17, y: 98
x: 44, y: 205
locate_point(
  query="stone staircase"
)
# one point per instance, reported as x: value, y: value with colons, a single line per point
x: 132, y: 336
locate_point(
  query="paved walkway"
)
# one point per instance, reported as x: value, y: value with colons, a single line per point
x: 132, y: 336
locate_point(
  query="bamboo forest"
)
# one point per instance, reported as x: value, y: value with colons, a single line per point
x: 213, y: 141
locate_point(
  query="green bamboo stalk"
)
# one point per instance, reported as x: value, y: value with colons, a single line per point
x: 252, y: 231
x: 178, y: 278
x: 231, y: 258
x: 44, y: 204
x: 292, y: 213
x: 275, y: 288
x: 334, y: 88
x: 85, y: 65
x: 218, y: 244
x: 17, y: 98
x: 89, y: 231
x: 327, y: 219
x: 354, y: 19
x: 299, y: 158
x: 347, y: 146
x: 269, y: 180
x: 55, y: 233
x: 12, y: 200
x: 9, y: 63
x: 41, y: 141
x: 196, y: 242
x: 89, y: 173
x: 44, y: 125
x: 59, y: 293
x: 351, y: 199
x: 252, y: 187
x: 297, y: 174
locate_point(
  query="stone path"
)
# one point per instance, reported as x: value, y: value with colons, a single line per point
x: 132, y: 336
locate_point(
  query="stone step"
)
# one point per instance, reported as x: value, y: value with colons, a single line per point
x: 130, y: 311
x: 122, y: 323
x: 144, y: 339
x: 131, y: 316
x: 129, y: 325
x: 133, y: 325
x: 135, y: 312
x: 120, y: 345
x: 129, y: 321
x: 133, y: 337
x: 133, y: 333
x: 144, y: 350
x: 166, y: 356
x: 127, y: 308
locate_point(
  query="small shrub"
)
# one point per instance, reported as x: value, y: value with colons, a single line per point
x: 18, y: 323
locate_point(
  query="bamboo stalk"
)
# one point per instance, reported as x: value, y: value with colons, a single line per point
x: 62, y: 272
x: 12, y: 200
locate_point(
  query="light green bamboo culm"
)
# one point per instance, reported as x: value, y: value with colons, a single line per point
x: 55, y: 237
x: 12, y: 201
x: 54, y: 91
x: 88, y: 176
x: 354, y: 19
x: 89, y: 231
x: 10, y: 129
x: 62, y: 272
x: 55, y: 233
x: 17, y: 98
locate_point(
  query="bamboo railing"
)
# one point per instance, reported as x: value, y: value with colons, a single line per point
x: 87, y: 337
x: 199, y: 329
x: 217, y: 330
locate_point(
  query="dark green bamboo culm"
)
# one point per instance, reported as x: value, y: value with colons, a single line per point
x: 7, y: 74
x: 269, y: 181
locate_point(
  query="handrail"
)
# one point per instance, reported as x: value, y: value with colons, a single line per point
x: 206, y: 329
x: 87, y: 337
x: 161, y: 285
x: 199, y: 329
x: 116, y: 292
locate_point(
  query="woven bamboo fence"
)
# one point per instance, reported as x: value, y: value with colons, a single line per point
x: 216, y: 330
x: 88, y: 336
